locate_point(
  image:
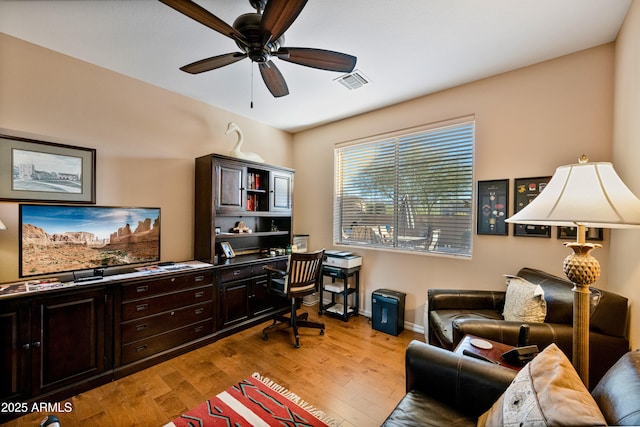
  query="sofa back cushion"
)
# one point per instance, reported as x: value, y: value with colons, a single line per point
x: 608, y: 310
x: 618, y: 392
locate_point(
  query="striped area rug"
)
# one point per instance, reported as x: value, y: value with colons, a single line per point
x: 254, y: 401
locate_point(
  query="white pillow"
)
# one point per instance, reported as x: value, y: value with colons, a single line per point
x: 524, y: 301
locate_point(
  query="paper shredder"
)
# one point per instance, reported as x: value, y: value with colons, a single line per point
x: 387, y: 307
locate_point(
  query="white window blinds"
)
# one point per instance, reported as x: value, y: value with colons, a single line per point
x: 409, y: 192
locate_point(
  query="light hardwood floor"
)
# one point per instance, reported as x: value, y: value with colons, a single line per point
x: 353, y: 373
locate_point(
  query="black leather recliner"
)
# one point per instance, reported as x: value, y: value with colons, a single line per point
x: 451, y: 314
x: 445, y: 388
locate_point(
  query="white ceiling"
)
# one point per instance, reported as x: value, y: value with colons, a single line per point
x: 407, y: 48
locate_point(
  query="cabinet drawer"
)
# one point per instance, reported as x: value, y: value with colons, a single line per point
x: 154, y: 305
x: 152, y: 345
x: 164, y: 285
x: 231, y: 274
x: 138, y: 329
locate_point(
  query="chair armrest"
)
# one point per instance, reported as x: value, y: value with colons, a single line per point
x: 271, y: 269
x: 452, y: 299
x: 467, y: 384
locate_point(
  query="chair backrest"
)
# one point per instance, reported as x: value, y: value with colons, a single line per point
x: 304, y: 273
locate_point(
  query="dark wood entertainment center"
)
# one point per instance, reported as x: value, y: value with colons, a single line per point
x: 60, y: 342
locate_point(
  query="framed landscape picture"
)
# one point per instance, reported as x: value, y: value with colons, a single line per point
x: 525, y: 191
x: 493, y: 204
x: 32, y: 170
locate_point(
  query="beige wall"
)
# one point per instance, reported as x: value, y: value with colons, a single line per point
x: 146, y: 138
x: 624, y: 268
x: 528, y: 122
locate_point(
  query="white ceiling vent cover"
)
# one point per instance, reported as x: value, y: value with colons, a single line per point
x: 353, y: 80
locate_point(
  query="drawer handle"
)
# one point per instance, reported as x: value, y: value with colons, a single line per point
x: 236, y: 272
x: 142, y: 307
x: 199, y: 294
x: 29, y: 346
x: 143, y: 288
x: 198, y: 329
x: 199, y: 278
x: 173, y: 279
x: 141, y: 348
x: 199, y: 310
x: 141, y: 327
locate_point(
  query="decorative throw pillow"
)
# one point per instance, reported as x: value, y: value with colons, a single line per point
x: 546, y: 392
x: 524, y: 301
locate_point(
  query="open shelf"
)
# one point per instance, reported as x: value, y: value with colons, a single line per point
x: 254, y: 234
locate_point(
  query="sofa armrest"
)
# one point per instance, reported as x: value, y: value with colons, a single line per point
x: 464, y: 383
x: 460, y: 299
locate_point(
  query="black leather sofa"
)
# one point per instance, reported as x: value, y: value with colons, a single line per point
x: 445, y: 389
x: 451, y: 314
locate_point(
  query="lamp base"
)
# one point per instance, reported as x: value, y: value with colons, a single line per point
x: 583, y: 270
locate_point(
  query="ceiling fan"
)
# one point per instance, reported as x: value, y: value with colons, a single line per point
x: 260, y: 36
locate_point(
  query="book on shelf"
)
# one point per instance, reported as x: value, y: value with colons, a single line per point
x: 253, y: 181
x: 252, y: 203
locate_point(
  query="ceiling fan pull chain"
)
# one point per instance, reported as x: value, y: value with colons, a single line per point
x: 252, y: 67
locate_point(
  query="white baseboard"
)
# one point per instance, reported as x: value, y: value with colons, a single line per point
x: 407, y: 325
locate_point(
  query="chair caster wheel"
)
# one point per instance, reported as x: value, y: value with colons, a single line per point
x: 321, y: 331
x: 265, y: 337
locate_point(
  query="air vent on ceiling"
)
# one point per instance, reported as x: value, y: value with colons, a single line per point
x: 353, y: 80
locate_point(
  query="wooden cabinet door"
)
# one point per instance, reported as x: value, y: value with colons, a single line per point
x: 260, y: 299
x: 14, y: 359
x: 281, y: 191
x: 68, y: 339
x: 230, y: 188
x: 234, y: 302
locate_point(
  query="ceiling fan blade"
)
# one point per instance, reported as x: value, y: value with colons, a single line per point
x: 278, y: 16
x: 213, y: 62
x: 203, y: 16
x: 318, y: 58
x: 273, y: 79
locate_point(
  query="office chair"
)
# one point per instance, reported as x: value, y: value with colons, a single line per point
x: 303, y: 276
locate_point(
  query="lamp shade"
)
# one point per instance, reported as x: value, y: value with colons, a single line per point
x: 585, y: 193
x: 2, y: 226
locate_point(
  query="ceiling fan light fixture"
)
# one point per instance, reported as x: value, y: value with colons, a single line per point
x: 260, y: 37
x: 353, y: 80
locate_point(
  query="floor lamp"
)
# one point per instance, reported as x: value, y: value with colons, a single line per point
x: 582, y: 195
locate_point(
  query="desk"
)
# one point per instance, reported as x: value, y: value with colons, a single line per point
x: 494, y: 353
x: 340, y: 309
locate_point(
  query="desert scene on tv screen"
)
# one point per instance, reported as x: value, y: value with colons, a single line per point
x: 87, y: 240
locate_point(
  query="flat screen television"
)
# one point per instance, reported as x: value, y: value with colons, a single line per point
x: 57, y: 239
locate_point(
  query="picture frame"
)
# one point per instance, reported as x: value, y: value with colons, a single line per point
x: 227, y: 250
x: 570, y: 233
x: 32, y: 170
x: 492, y: 207
x: 525, y: 190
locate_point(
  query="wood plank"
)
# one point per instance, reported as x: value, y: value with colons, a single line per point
x: 353, y: 373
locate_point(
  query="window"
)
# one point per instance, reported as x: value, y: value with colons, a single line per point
x: 407, y: 192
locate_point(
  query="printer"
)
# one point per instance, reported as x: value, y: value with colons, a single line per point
x: 341, y: 259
